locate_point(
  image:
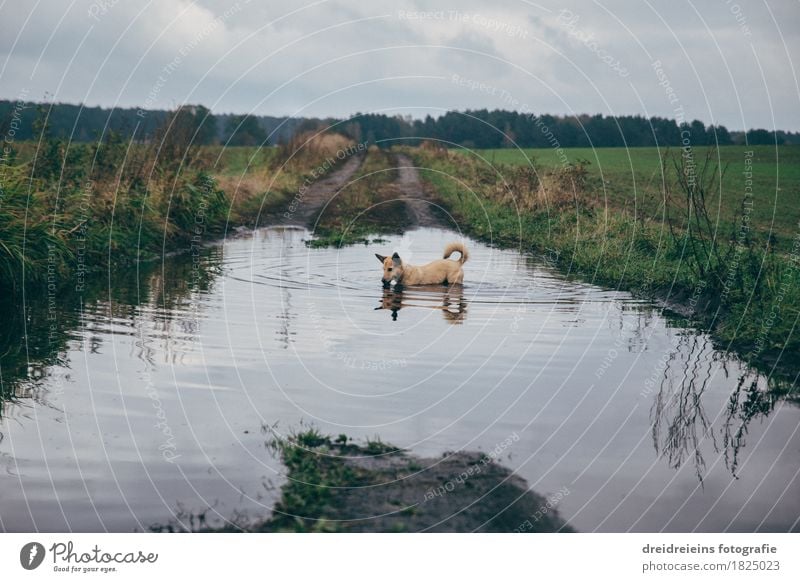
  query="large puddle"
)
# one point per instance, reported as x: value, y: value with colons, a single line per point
x: 152, y: 403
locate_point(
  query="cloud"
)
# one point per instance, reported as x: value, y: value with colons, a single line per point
x: 729, y: 63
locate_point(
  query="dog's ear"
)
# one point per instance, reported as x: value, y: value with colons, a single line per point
x: 396, y: 259
x: 381, y: 258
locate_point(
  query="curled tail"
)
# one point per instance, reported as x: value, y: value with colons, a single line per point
x: 456, y: 247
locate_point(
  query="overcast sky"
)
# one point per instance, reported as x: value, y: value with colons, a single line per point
x: 722, y: 61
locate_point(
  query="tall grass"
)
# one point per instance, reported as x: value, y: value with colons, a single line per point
x: 91, y: 207
x: 28, y: 242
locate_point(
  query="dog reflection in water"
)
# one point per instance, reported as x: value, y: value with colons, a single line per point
x: 450, y: 301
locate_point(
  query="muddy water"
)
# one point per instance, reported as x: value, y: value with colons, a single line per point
x: 151, y: 406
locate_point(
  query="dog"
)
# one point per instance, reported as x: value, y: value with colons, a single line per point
x: 439, y: 272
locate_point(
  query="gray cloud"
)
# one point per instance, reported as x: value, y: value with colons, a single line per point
x: 729, y: 63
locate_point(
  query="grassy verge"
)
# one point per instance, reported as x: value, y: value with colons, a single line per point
x: 317, y: 477
x: 72, y: 209
x: 729, y: 274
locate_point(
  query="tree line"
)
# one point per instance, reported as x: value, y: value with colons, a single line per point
x: 485, y: 129
x: 478, y: 128
x: 23, y: 121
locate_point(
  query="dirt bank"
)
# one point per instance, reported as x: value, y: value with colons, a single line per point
x: 340, y: 486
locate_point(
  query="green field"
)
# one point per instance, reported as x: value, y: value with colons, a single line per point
x: 241, y: 160
x: 632, y: 179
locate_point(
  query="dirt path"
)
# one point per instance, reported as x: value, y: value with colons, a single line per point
x: 303, y: 209
x: 408, y: 188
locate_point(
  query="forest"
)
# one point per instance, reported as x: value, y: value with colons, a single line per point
x: 478, y: 128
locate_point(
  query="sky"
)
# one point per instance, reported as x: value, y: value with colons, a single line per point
x: 721, y: 61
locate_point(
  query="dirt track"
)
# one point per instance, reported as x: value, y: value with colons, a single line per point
x: 408, y: 188
x: 318, y: 194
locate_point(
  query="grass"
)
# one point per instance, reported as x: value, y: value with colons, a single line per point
x: 742, y: 283
x: 632, y: 179
x: 242, y: 160
x: 315, y: 477
x: 84, y: 208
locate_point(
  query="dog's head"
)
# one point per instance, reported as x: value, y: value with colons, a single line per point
x: 392, y: 269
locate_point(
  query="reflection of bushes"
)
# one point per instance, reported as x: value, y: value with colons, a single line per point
x: 681, y: 427
x: 23, y: 363
x: 36, y: 337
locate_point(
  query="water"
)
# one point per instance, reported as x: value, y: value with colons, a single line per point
x: 144, y: 401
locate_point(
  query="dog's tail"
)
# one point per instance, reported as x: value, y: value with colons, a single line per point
x: 456, y: 247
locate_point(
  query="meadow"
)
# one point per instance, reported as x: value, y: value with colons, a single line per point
x: 633, y: 179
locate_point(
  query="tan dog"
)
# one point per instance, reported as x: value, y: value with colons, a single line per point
x: 439, y: 272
